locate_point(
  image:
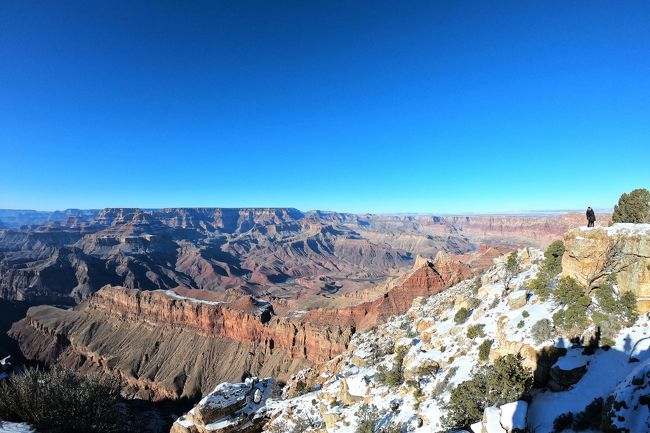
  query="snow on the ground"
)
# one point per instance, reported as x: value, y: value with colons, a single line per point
x: 574, y: 358
x: 622, y: 228
x: 606, y: 369
x: 635, y: 413
x: 15, y: 427
x: 175, y: 295
x: 429, y: 334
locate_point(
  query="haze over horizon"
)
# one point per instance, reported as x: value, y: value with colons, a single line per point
x: 425, y: 107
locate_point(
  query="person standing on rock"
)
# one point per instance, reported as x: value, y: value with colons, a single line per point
x: 591, y: 217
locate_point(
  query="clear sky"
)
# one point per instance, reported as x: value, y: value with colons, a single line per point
x: 400, y: 106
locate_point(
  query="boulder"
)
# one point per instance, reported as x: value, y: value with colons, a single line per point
x: 513, y: 416
x: 539, y: 361
x: 231, y: 407
x: 491, y: 422
x: 568, y: 370
x: 226, y: 399
x: 508, y: 418
x: 517, y: 299
x: 345, y: 396
x: 330, y: 419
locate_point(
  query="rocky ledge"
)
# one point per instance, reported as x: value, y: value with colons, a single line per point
x: 622, y: 250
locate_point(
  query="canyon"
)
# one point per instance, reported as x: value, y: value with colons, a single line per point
x: 175, y: 301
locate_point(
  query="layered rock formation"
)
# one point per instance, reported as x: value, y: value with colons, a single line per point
x: 234, y: 251
x: 430, y: 278
x: 621, y: 251
x: 168, y: 347
x: 166, y: 344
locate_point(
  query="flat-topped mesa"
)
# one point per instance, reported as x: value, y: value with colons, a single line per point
x: 621, y: 251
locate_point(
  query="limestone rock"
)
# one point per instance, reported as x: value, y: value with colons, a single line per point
x: 586, y: 252
x: 568, y: 370
x: 231, y: 407
x: 539, y: 361
x: 509, y: 418
x: 330, y: 419
x: 517, y: 299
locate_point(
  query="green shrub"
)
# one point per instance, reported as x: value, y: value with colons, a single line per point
x: 553, y: 255
x: 367, y: 419
x: 563, y: 422
x: 541, y: 286
x: 505, y: 381
x: 60, y: 400
x: 525, y: 314
x: 476, y: 285
x: 542, y: 330
x: 427, y: 368
x: 395, y: 376
x: 590, y: 418
x: 608, y: 325
x: 628, y: 304
x: 475, y: 331
x: 633, y: 207
x: 521, y: 324
x: 570, y: 292
x: 472, y: 303
x: 572, y: 321
x: 512, y: 267
x: 484, y: 350
x: 461, y: 316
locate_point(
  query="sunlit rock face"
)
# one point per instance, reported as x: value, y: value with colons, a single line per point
x: 624, y: 248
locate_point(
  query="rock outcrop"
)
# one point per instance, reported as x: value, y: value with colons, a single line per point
x: 230, y: 407
x: 621, y: 251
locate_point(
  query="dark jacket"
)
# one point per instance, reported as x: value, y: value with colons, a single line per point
x: 591, y: 215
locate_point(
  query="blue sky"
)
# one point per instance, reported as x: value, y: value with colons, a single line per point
x: 469, y: 106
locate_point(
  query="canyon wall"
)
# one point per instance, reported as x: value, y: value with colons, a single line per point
x: 166, y: 347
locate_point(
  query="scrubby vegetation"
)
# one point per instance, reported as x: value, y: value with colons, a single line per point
x: 476, y: 285
x: 553, y: 257
x: 505, y: 381
x: 593, y: 418
x: 475, y: 331
x: 604, y: 306
x: 368, y: 417
x: 484, y: 350
x: 461, y: 316
x: 63, y: 401
x: 599, y: 303
x: 395, y: 375
x: 512, y: 267
x: 633, y: 207
x: 542, y: 284
x: 542, y: 330
x: 428, y: 368
x: 573, y: 319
